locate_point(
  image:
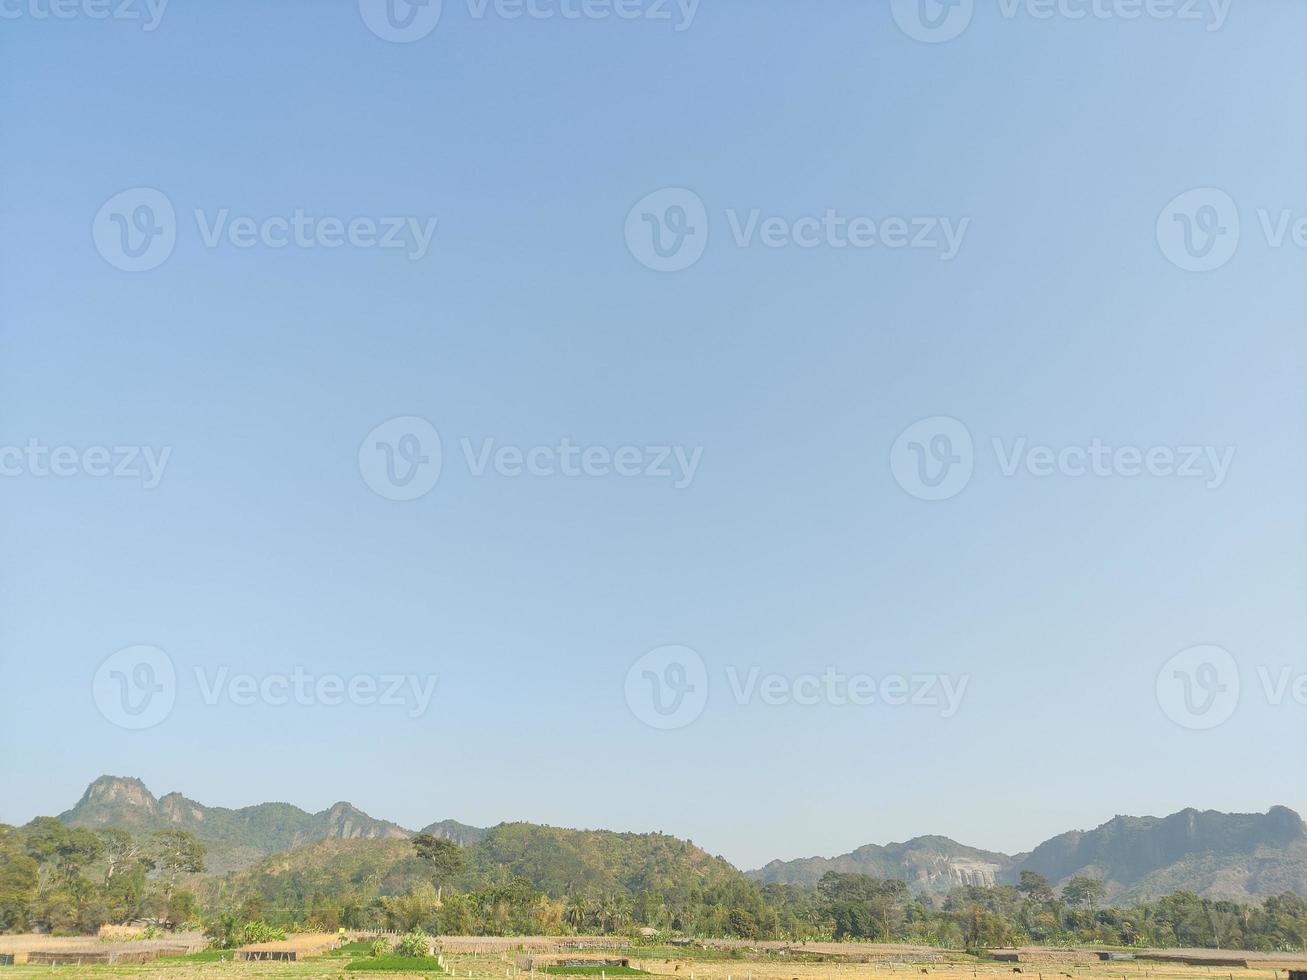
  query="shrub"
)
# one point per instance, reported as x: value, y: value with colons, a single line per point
x: 413, y: 944
x: 260, y: 932
x: 228, y: 933
x: 379, y: 947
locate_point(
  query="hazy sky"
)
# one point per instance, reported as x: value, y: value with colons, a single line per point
x: 753, y: 379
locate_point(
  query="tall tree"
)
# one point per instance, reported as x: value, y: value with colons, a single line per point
x: 443, y: 857
x: 1035, y: 887
x: 121, y: 852
x: 1083, y: 891
x: 174, y: 853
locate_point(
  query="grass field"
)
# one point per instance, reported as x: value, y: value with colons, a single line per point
x: 497, y: 960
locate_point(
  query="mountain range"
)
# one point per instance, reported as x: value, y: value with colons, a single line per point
x: 1225, y: 855
x: 1228, y: 855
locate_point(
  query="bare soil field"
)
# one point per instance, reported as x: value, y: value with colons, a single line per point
x: 22, y: 945
x: 302, y: 944
x: 479, y: 958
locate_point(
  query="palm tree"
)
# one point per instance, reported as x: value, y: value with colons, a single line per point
x: 575, y: 914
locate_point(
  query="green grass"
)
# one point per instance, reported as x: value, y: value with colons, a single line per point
x: 410, y: 964
x: 594, y: 971
x: 667, y: 951
x: 360, y: 948
x: 203, y: 956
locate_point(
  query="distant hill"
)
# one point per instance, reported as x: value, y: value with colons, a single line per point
x: 1217, y: 855
x: 235, y: 838
x: 459, y: 833
x: 595, y: 862
x: 1227, y: 855
x: 927, y: 864
x: 590, y: 864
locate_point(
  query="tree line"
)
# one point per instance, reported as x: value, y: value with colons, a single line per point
x: 55, y: 878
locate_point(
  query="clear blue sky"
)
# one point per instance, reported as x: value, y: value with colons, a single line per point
x: 529, y: 320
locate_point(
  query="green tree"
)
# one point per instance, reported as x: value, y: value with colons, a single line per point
x: 1082, y: 891
x: 443, y: 857
x: 174, y: 853
x: 1035, y: 887
x: 20, y: 875
x: 121, y: 852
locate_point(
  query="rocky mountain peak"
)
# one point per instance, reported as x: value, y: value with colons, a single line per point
x: 120, y: 791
